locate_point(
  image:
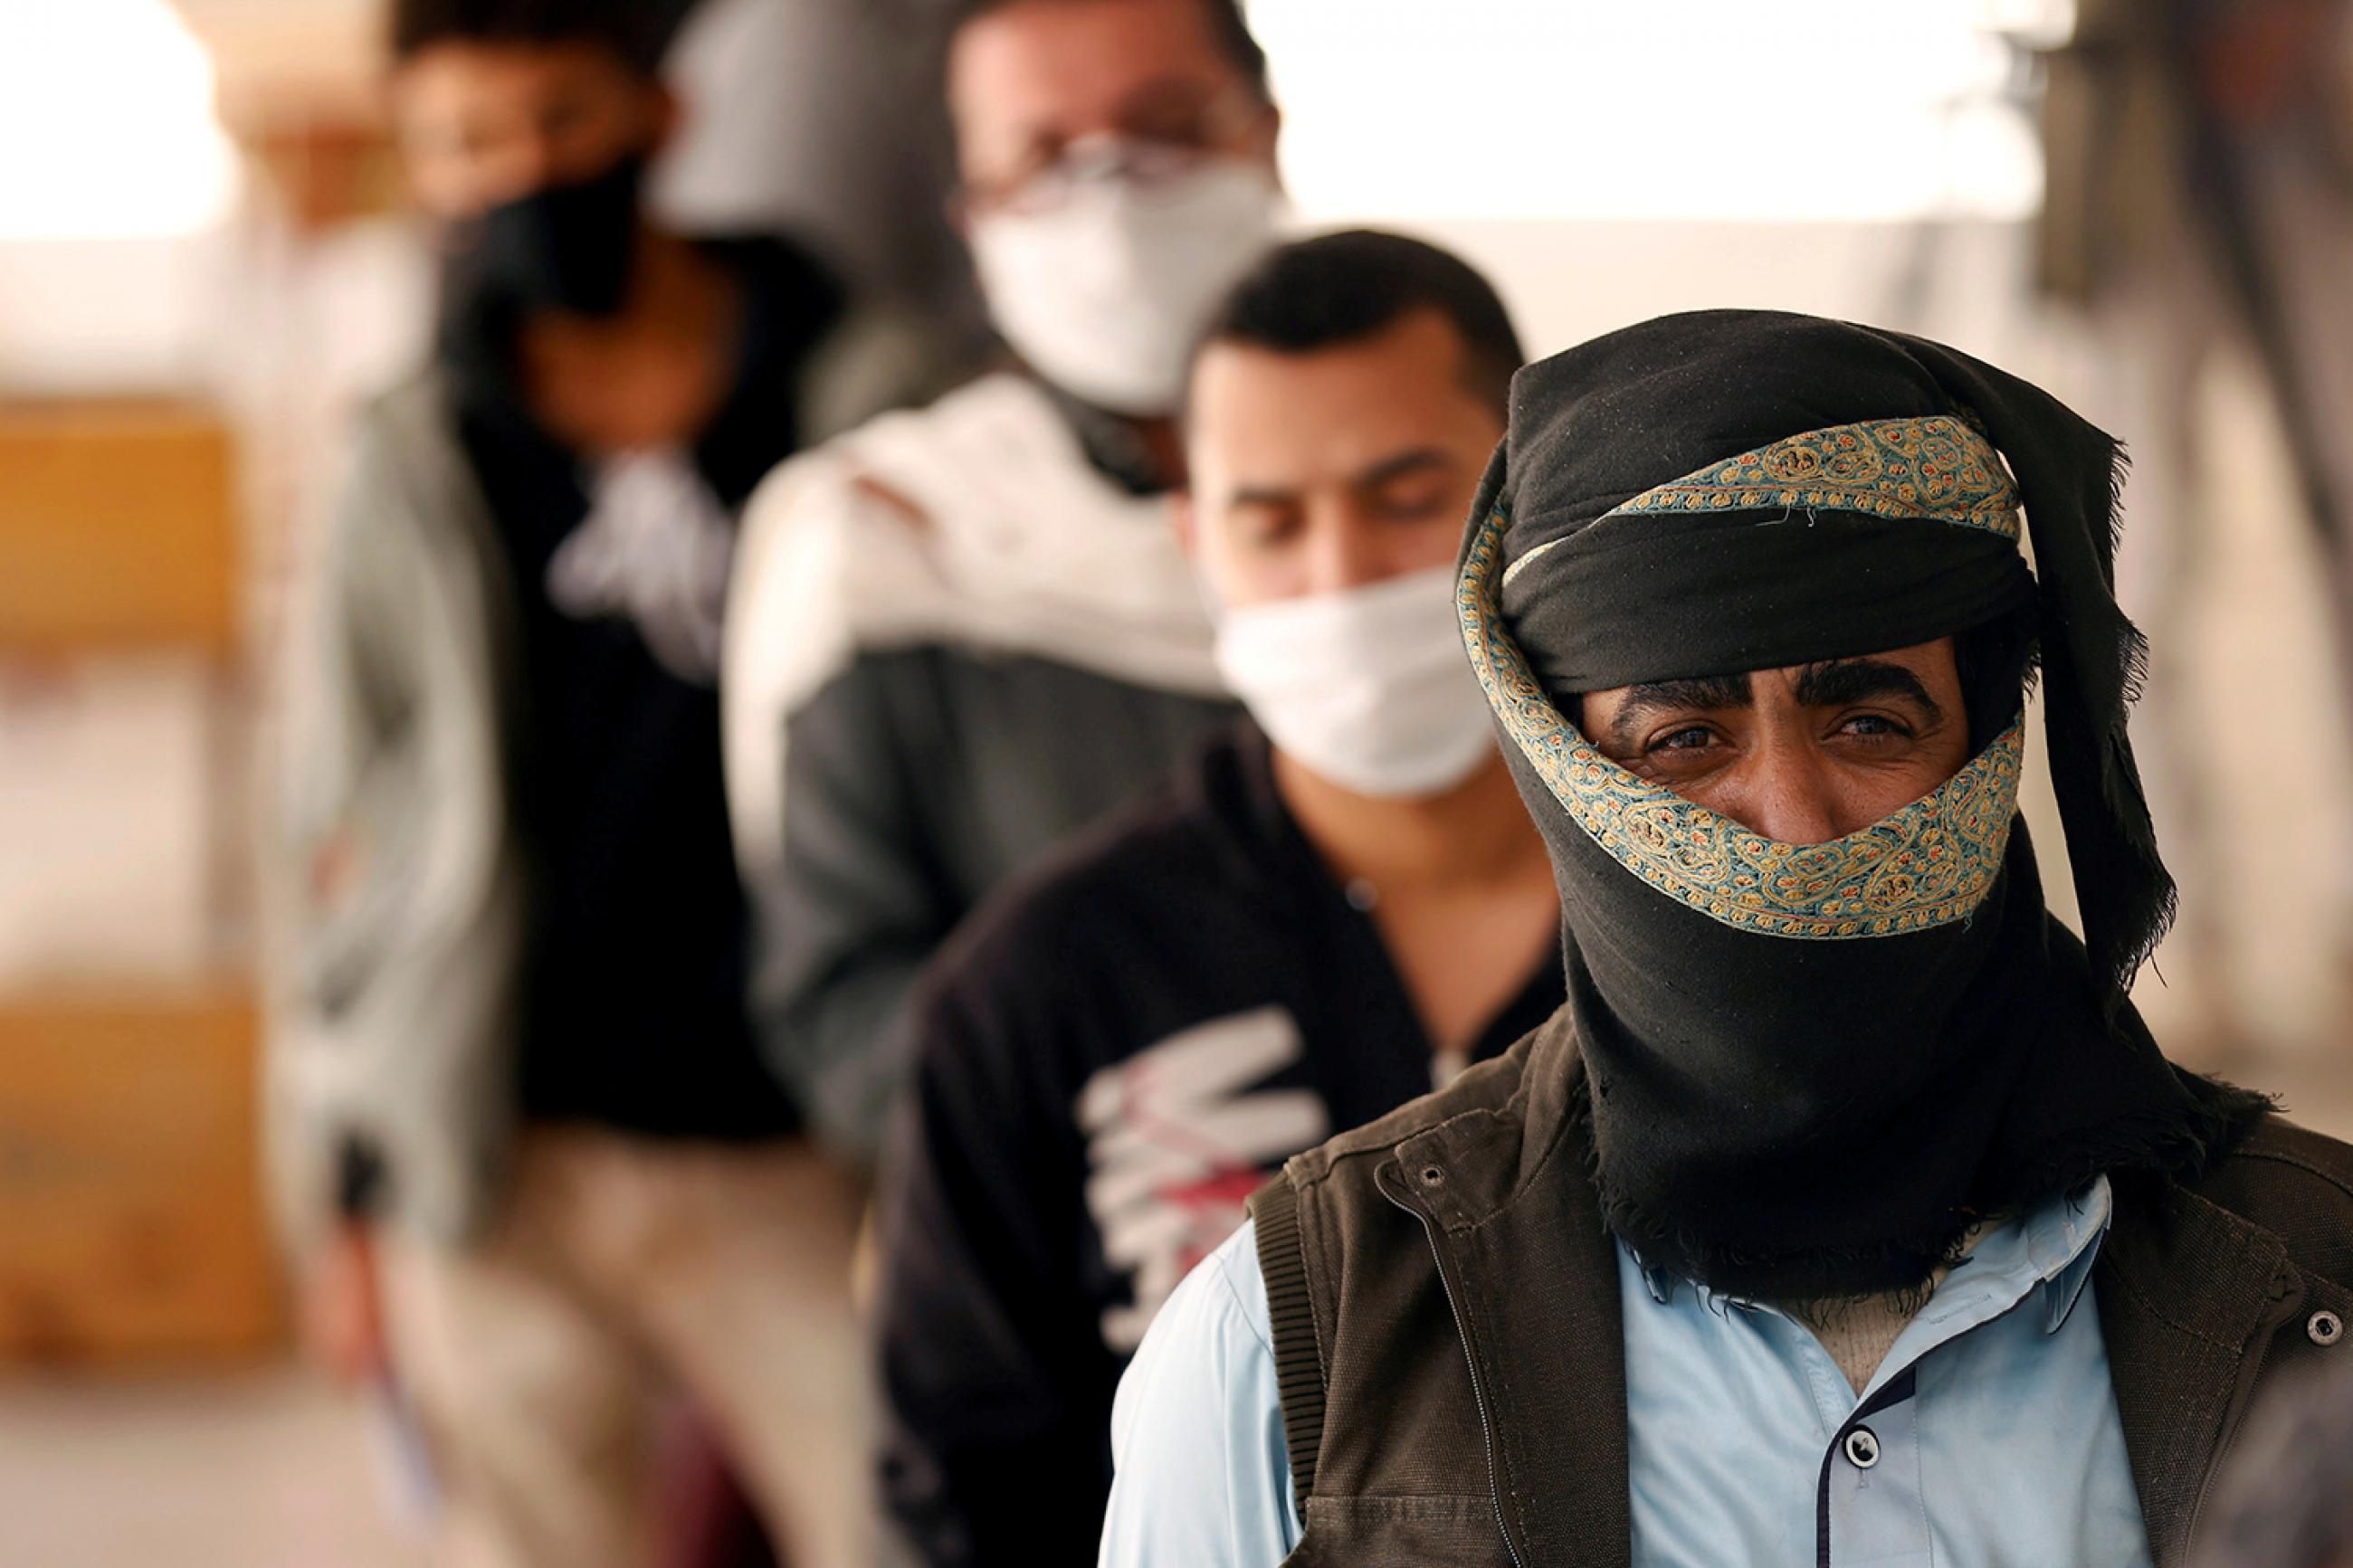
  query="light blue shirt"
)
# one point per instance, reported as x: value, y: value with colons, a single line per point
x: 1996, y: 1442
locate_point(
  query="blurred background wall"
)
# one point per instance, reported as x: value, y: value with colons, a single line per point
x: 203, y: 267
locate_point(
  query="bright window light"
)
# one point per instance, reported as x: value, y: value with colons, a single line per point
x: 1724, y: 110
x: 107, y: 128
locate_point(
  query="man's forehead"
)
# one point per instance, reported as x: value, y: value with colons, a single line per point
x: 1239, y: 454
x: 1072, y: 66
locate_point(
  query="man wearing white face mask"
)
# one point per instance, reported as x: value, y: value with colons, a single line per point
x: 1315, y: 921
x: 957, y: 634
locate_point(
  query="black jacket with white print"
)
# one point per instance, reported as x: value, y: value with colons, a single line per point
x: 1114, y: 1054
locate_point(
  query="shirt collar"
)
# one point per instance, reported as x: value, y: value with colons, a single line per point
x: 2073, y: 1227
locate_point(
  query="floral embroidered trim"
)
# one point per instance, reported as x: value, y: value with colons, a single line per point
x: 1929, y: 863
x: 1936, y: 467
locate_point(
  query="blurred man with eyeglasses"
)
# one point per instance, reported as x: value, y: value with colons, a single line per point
x: 960, y: 634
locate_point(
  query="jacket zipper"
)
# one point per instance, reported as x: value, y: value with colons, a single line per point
x: 1471, y: 1363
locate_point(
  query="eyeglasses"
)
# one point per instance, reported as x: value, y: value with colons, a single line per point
x: 1139, y: 154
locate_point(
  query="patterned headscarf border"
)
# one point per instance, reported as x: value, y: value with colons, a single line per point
x: 1937, y: 468
x: 1929, y: 863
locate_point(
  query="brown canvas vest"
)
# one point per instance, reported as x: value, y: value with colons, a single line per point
x: 1445, y: 1308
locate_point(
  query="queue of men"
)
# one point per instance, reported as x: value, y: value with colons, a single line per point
x: 1041, y: 820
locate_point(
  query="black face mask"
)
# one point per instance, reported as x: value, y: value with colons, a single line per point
x: 562, y: 247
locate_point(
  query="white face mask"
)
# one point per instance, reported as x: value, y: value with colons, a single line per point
x: 1104, y: 292
x: 1368, y: 688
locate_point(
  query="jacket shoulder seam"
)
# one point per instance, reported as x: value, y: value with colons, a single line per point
x: 2280, y: 1157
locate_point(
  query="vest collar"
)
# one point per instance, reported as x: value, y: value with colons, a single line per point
x: 2188, y: 1295
x: 1532, y: 1276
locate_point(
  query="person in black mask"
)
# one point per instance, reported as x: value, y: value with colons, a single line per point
x: 1846, y: 1212
x: 526, y: 1137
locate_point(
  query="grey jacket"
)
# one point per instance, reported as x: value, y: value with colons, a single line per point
x: 392, y: 878
x: 394, y: 881
x: 919, y: 778
x: 954, y: 637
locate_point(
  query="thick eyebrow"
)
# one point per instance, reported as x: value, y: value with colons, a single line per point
x: 1652, y: 697
x: 1412, y: 461
x: 1402, y: 464
x: 1842, y: 680
x: 1261, y: 495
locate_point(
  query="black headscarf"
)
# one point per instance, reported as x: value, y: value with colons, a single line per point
x: 1813, y: 1068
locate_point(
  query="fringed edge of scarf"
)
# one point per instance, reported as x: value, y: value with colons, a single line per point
x: 2123, y: 934
x: 2150, y: 1142
x: 2155, y: 1142
x: 1854, y: 1273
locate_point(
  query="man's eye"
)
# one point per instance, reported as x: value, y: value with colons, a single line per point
x: 1686, y: 740
x: 1875, y: 727
x: 1267, y: 529
x: 1409, y: 503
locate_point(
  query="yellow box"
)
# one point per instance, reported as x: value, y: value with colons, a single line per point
x: 118, y: 528
x: 132, y: 1221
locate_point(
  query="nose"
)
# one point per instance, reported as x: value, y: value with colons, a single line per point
x: 1791, y: 795
x: 1346, y: 551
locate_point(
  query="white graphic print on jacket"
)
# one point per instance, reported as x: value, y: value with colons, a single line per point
x: 1178, y: 1139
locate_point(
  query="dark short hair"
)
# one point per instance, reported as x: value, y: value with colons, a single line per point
x: 1228, y: 26
x: 638, y: 31
x: 1342, y: 287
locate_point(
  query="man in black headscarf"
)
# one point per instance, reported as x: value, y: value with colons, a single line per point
x: 1775, y: 1244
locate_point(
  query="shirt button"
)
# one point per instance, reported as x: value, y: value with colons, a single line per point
x: 2324, y: 1328
x: 1863, y: 1447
